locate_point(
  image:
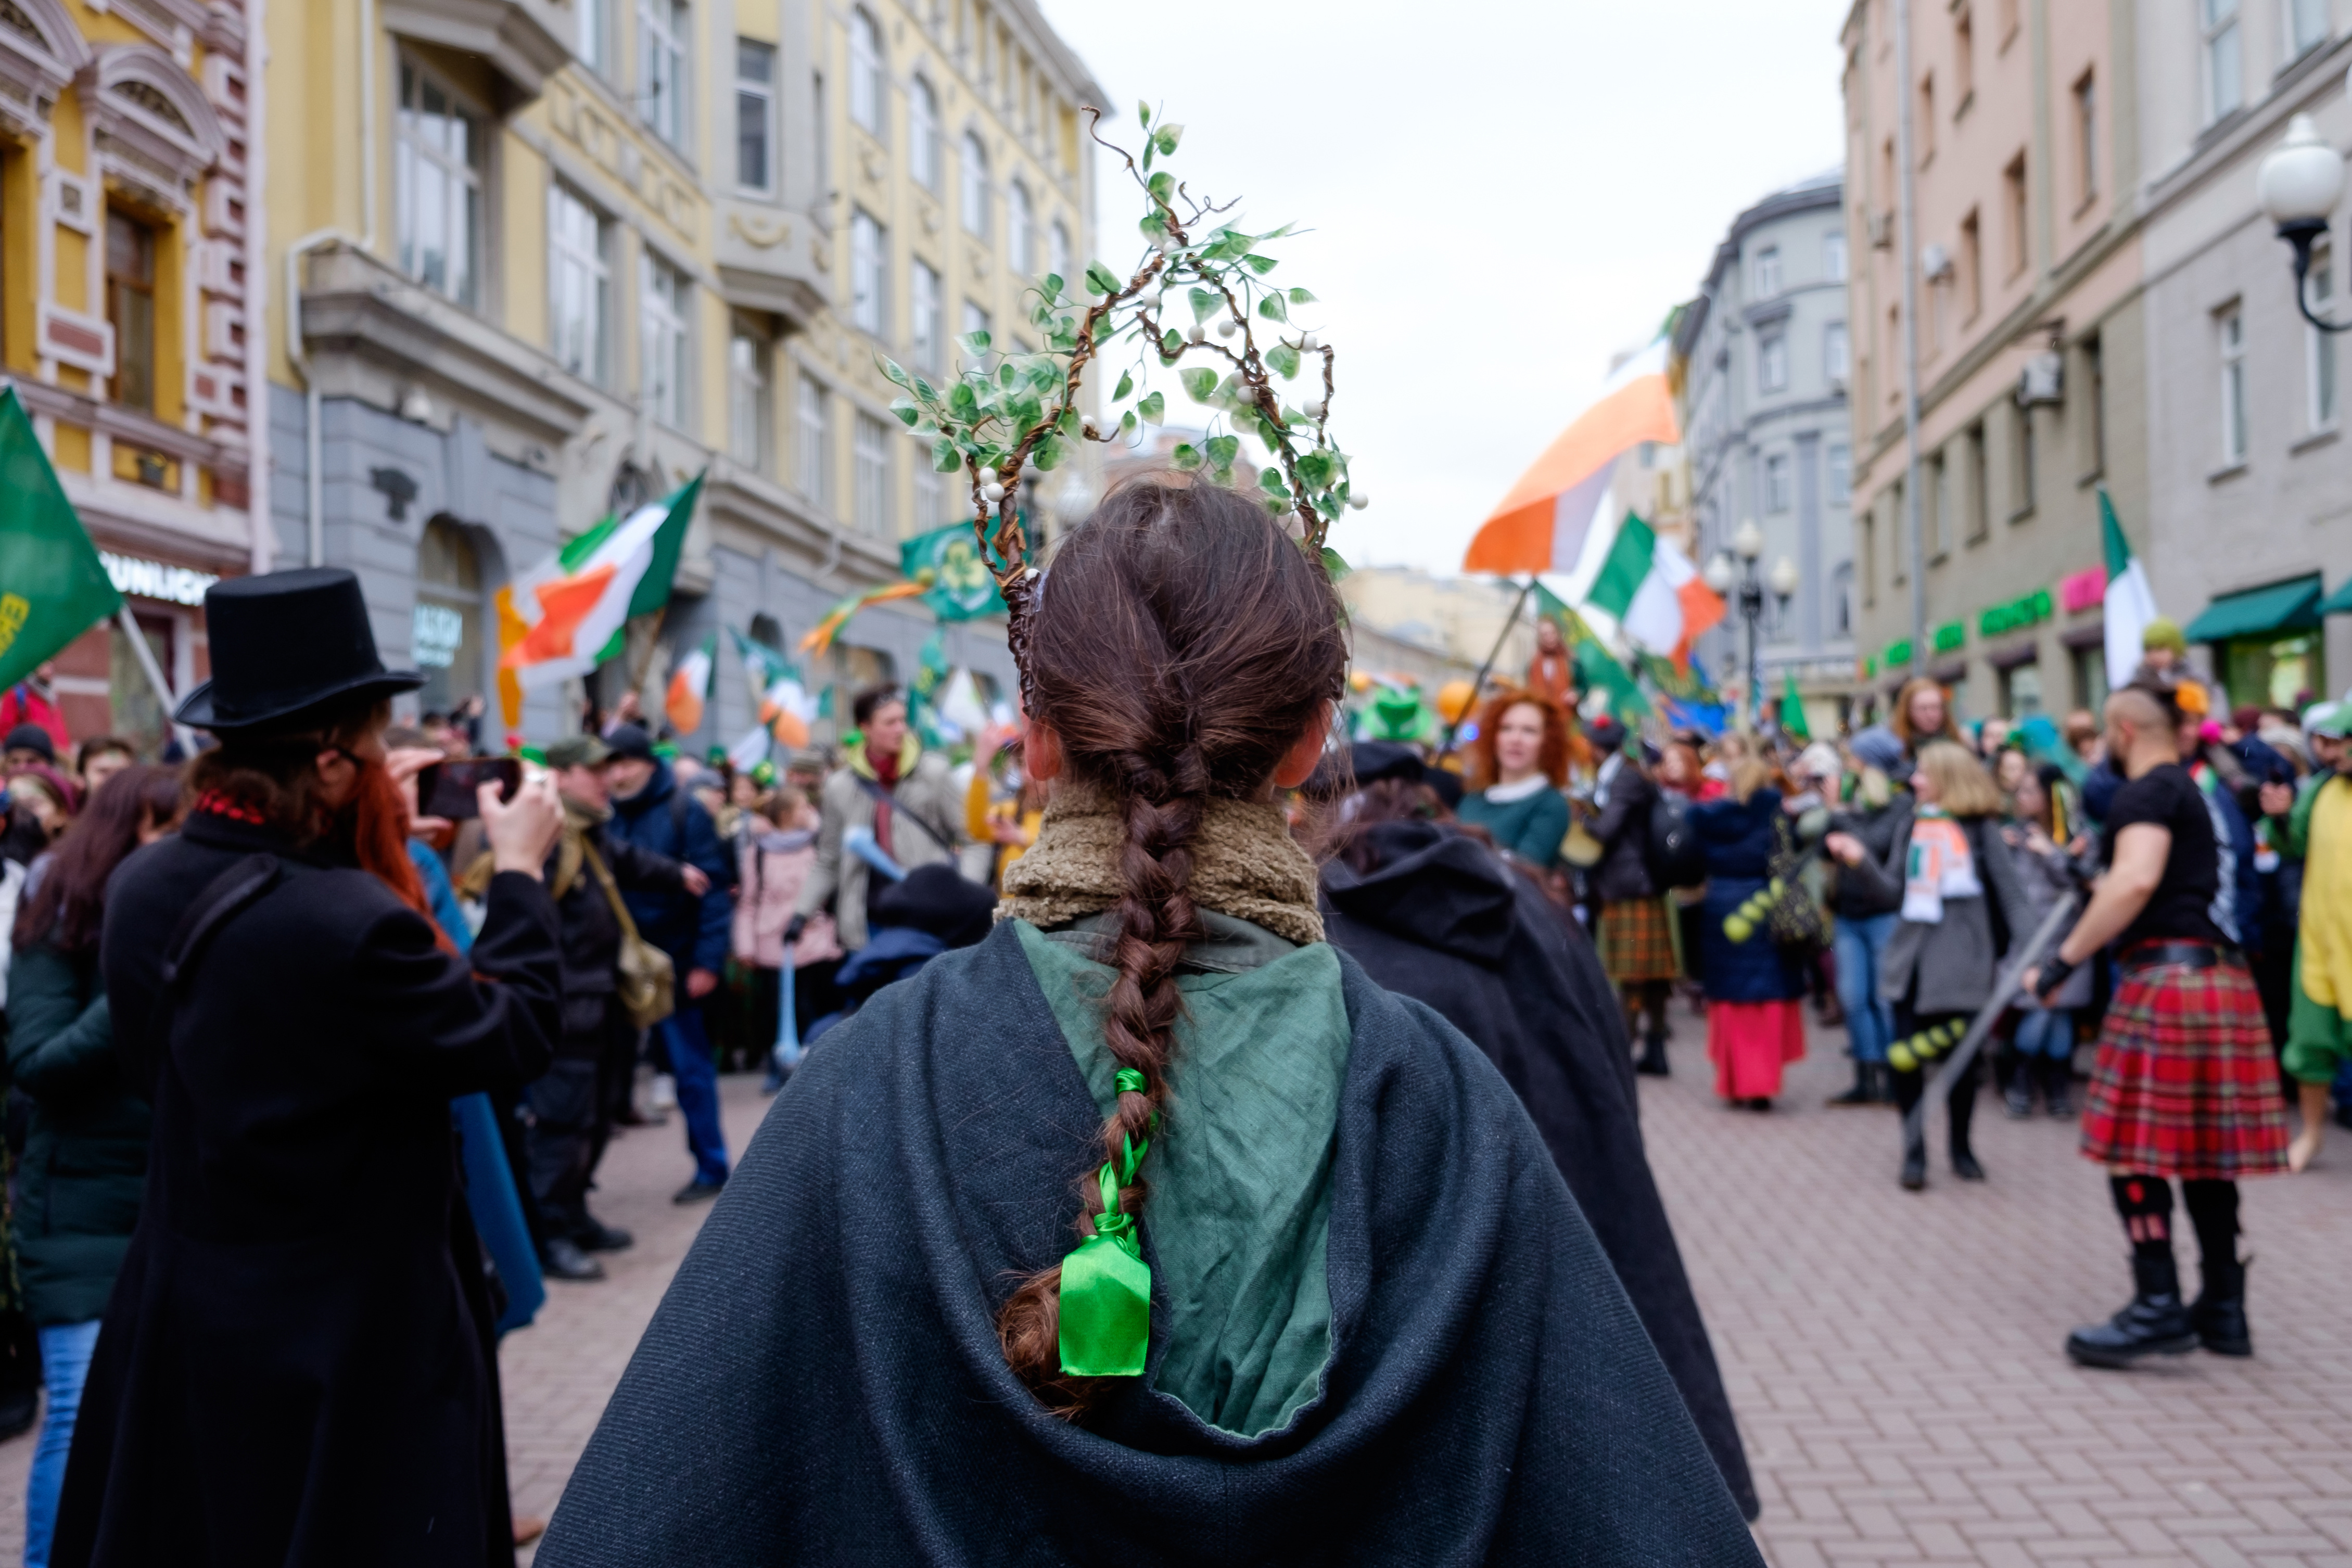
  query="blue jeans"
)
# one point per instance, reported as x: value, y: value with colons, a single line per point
x: 65, y: 1363
x: 697, y: 1091
x: 1869, y: 1017
x: 2046, y: 1031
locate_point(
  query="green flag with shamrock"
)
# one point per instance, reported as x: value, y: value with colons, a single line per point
x: 53, y: 587
x: 960, y: 585
x: 1793, y: 710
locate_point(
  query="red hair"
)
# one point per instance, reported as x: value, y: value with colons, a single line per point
x: 1551, y: 757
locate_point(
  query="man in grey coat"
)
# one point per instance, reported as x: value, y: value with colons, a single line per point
x: 901, y: 794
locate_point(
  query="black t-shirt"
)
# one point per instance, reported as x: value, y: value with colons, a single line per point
x: 2181, y: 908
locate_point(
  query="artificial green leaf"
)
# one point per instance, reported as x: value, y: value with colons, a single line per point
x: 1167, y: 137
x: 925, y: 390
x: 1300, y: 297
x: 907, y: 411
x: 1047, y: 454
x: 1126, y: 385
x: 890, y: 368
x: 1143, y: 112
x: 1127, y: 422
x: 975, y: 343
x: 1186, y: 457
x: 1223, y: 449
x: 1153, y: 225
x: 1152, y: 409
x: 1314, y: 468
x: 1200, y: 382
x: 1261, y: 265
x: 1283, y: 360
x: 1272, y: 308
x: 1171, y: 343
x: 1050, y: 286
x: 1163, y: 186
x: 1205, y: 303
x: 1333, y: 567
x: 1072, y: 422
x: 963, y: 403
x: 1101, y: 279
x: 1272, y: 483
x: 945, y: 459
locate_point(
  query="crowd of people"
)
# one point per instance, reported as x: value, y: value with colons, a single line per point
x: 310, y: 1085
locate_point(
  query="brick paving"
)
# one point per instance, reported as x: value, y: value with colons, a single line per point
x: 1894, y: 1357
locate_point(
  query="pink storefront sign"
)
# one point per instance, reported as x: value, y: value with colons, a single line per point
x: 2084, y: 590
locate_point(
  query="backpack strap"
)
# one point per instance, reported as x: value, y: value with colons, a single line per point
x: 225, y: 897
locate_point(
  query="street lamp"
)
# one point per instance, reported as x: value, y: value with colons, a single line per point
x: 2299, y: 183
x: 1747, y: 544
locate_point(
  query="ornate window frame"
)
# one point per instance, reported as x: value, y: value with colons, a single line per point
x: 155, y: 131
x: 41, y: 51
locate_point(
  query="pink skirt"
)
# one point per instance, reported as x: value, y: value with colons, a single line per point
x: 1749, y: 1043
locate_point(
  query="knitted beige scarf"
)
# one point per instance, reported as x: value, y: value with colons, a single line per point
x: 1244, y: 865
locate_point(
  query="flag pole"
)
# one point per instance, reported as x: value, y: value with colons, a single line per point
x: 1492, y: 654
x: 129, y: 624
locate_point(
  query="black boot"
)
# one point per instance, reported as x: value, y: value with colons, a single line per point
x: 561, y: 1258
x: 1963, y: 1108
x: 1914, y: 1165
x: 1882, y: 1083
x: 2018, y: 1098
x: 1653, y: 1063
x: 1865, y: 1090
x: 2219, y: 1313
x: 2153, y: 1323
x: 2058, y: 1086
x: 1909, y: 1086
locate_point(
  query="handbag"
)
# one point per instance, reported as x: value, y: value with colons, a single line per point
x: 1796, y: 922
x: 646, y: 981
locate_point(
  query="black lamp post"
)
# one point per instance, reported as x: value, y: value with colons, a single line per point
x: 1747, y: 544
x: 2299, y: 183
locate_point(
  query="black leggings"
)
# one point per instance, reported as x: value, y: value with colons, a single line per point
x: 1922, y: 1032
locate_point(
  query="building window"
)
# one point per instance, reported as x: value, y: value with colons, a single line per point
x: 1866, y: 544
x: 1841, y: 599
x: 2225, y: 77
x: 2319, y: 348
x: 662, y: 309
x: 2229, y: 328
x: 2307, y: 27
x: 1778, y: 491
x: 131, y: 308
x: 438, y: 188
x: 1964, y: 60
x: 927, y: 329
x: 1058, y: 252
x: 2086, y: 136
x: 975, y: 185
x: 1978, y: 479
x: 755, y: 115
x: 1925, y: 127
x: 1837, y: 357
x: 2023, y: 482
x: 446, y: 626
x: 749, y: 414
x: 2013, y: 209
x: 868, y: 86
x: 815, y: 423
x: 1839, y: 461
x: 871, y: 504
x: 1773, y: 361
x: 1019, y: 231
x: 1833, y: 257
x: 1935, y: 529
x: 1766, y: 273
x: 930, y: 497
x: 596, y: 34
x: 661, y: 67
x: 578, y: 285
x: 923, y: 134
x: 1972, y: 264
x: 869, y: 273
x: 2094, y: 388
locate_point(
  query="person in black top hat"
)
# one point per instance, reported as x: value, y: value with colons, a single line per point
x: 296, y: 1364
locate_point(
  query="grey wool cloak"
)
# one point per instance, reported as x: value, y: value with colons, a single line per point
x: 823, y: 1383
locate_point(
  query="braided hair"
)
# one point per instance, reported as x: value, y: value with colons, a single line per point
x: 1181, y: 646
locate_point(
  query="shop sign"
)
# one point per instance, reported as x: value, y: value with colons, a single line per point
x: 1898, y: 653
x: 1951, y: 635
x: 435, y: 630
x: 2084, y: 590
x: 137, y: 578
x: 2026, y: 610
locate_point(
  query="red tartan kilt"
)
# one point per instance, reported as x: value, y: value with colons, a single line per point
x: 2186, y: 1083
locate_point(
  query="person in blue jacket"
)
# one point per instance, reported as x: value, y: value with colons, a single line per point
x: 650, y: 811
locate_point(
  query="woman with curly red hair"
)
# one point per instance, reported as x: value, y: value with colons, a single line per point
x: 1519, y: 761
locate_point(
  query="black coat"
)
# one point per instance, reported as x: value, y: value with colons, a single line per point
x: 1441, y: 922
x: 590, y: 933
x: 296, y: 1366
x: 824, y: 1383
x: 1622, y: 827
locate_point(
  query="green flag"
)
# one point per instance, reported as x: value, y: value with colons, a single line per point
x: 1793, y: 710
x: 53, y: 587
x: 960, y: 586
x: 1597, y: 669
x: 652, y: 592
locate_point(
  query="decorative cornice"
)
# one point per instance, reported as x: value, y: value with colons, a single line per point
x: 517, y: 38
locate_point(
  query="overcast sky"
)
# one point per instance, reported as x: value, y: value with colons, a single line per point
x: 1502, y: 193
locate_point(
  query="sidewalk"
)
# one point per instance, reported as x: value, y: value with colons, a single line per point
x: 1895, y: 1358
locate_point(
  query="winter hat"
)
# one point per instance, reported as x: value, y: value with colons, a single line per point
x: 32, y: 737
x: 2164, y: 632
x: 630, y: 740
x: 1879, y: 748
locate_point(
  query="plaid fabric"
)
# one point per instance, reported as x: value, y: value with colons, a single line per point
x: 1637, y: 940
x: 2185, y: 1084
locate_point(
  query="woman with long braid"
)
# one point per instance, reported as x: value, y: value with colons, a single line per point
x: 1150, y: 1230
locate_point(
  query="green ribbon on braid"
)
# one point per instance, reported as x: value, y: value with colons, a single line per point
x: 1105, y: 1301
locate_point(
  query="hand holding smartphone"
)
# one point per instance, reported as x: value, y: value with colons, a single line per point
x: 449, y: 791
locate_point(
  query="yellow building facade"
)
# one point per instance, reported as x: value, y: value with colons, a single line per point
x: 128, y: 256
x: 546, y: 260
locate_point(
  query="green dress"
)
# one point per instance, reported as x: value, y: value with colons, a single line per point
x: 1530, y: 827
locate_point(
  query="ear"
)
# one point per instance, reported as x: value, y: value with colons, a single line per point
x: 1041, y: 752
x: 1299, y: 761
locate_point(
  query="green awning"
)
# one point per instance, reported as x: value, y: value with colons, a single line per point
x: 2338, y: 602
x: 2258, y: 611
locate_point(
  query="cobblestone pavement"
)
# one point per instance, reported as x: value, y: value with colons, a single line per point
x: 1894, y: 1357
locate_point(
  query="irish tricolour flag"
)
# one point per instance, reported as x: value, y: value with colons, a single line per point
x: 690, y: 687
x: 1651, y: 590
x: 2131, y: 604
x: 566, y: 616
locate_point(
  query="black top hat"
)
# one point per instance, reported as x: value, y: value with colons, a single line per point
x: 285, y: 643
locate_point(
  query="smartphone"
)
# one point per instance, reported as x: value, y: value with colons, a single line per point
x: 447, y: 790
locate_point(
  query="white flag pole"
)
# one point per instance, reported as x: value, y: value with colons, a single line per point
x: 129, y: 624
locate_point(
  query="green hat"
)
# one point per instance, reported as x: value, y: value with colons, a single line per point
x: 763, y: 774
x: 576, y: 751
x: 2163, y: 633
x: 2331, y: 719
x: 715, y: 756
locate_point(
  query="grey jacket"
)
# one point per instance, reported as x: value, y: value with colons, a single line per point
x: 927, y: 795
x: 2046, y: 878
x: 1879, y: 829
x: 1954, y: 960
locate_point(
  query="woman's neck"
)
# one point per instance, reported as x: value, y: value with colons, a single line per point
x: 1513, y: 775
